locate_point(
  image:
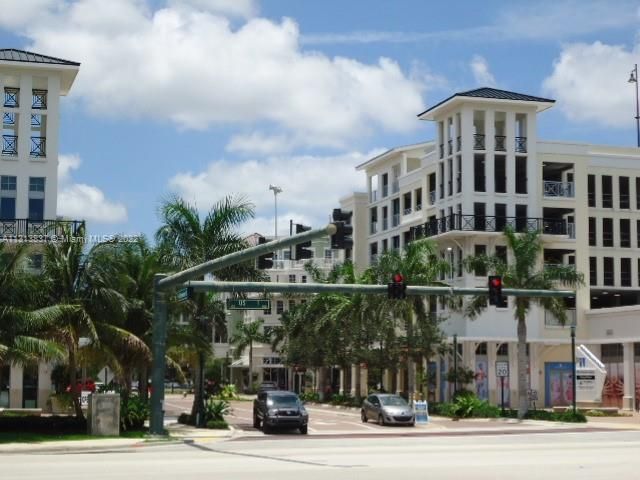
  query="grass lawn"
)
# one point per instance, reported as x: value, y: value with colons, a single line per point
x: 28, y: 437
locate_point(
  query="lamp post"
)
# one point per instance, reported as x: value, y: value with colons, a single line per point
x: 573, y: 367
x: 633, y: 78
x: 276, y: 191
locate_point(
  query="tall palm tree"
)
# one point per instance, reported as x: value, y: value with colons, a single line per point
x: 524, y: 273
x: 85, y: 305
x: 419, y: 264
x: 246, y: 334
x: 185, y: 240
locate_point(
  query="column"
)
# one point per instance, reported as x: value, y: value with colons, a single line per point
x: 15, y: 386
x: 387, y: 380
x: 44, y: 384
x: 352, y: 389
x: 494, y: 394
x: 510, y: 132
x: 534, y: 368
x: 513, y: 374
x: 469, y: 361
x: 342, y: 379
x: 364, y: 382
x: 489, y: 160
x: 628, y: 398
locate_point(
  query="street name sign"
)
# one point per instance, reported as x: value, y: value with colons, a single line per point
x: 502, y: 369
x: 248, y: 304
x: 184, y: 294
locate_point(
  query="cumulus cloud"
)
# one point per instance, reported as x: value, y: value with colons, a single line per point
x: 260, y: 143
x: 192, y: 67
x: 233, y: 8
x: 79, y: 200
x: 590, y: 83
x: 481, y: 73
x: 311, y: 186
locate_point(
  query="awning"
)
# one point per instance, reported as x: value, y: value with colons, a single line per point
x: 242, y: 362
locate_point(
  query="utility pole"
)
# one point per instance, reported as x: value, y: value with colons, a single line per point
x: 633, y: 78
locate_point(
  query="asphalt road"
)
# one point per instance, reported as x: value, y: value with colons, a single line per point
x: 546, y: 456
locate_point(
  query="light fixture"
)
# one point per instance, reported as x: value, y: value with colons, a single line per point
x: 616, y: 294
x: 632, y: 77
x: 449, y: 249
x: 605, y: 293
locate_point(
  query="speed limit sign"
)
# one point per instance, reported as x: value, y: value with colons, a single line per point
x: 502, y: 369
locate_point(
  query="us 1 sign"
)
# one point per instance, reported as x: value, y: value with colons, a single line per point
x: 502, y: 369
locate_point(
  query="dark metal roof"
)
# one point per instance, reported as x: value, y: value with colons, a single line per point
x: 15, y: 55
x: 486, y: 92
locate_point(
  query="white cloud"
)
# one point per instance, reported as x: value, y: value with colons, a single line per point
x: 233, y: 8
x: 259, y: 143
x: 193, y: 68
x: 481, y: 73
x: 590, y: 83
x: 78, y: 200
x: 311, y: 186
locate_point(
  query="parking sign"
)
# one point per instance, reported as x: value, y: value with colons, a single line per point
x: 502, y: 369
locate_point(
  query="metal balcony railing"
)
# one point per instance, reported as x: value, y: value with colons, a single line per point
x: 38, y: 147
x: 418, y: 207
x: 385, y: 223
x: 484, y: 223
x: 432, y: 197
x: 558, y: 189
x: 450, y: 147
x: 521, y: 144
x: 395, y: 220
x: 10, y: 145
x: 38, y: 230
x: 395, y: 187
x: 11, y: 97
x: 374, y: 196
x: 9, y: 118
x: 39, y: 99
x: 478, y: 141
x: 501, y: 143
x: 374, y: 228
x: 551, y: 321
x: 407, y: 211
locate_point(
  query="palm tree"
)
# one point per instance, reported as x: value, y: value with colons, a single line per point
x: 419, y: 264
x: 245, y: 335
x: 185, y: 240
x: 523, y: 273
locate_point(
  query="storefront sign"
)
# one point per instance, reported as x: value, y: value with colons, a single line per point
x: 421, y: 410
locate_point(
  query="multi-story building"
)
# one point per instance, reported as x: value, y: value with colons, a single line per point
x: 487, y: 169
x: 267, y: 364
x: 31, y: 85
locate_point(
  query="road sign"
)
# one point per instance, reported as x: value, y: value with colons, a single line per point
x: 84, y: 398
x: 184, y: 294
x: 248, y: 304
x: 502, y: 369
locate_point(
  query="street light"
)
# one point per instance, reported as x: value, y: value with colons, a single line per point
x: 633, y: 78
x: 276, y: 191
x: 573, y: 366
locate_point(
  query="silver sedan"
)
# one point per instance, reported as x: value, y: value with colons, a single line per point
x: 387, y: 409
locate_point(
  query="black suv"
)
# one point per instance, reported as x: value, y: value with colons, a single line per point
x: 276, y: 408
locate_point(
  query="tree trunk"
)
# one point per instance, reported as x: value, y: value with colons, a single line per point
x: 411, y: 383
x: 75, y: 394
x: 143, y: 382
x: 358, y: 383
x: 251, y: 366
x: 523, y: 401
x: 196, y: 386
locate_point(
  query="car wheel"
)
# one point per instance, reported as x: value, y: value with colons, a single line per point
x: 363, y: 416
x: 381, y: 420
x: 303, y: 430
x: 256, y: 421
x: 266, y: 429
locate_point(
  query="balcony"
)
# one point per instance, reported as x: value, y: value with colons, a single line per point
x: 501, y: 143
x: 39, y: 230
x: 39, y: 100
x: 418, y: 207
x: 483, y: 223
x: 551, y: 321
x: 385, y: 223
x: 407, y: 211
x: 9, y: 118
x: 11, y: 97
x: 38, y: 147
x: 478, y: 142
x: 10, y: 145
x: 395, y: 187
x: 450, y: 147
x: 558, y: 189
x: 395, y: 220
x: 521, y: 144
x: 432, y: 197
x: 373, y: 228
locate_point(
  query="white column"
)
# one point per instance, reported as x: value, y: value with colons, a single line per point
x: 44, y: 384
x: 469, y: 360
x: 352, y: 389
x: 510, y: 132
x: 629, y: 396
x: 494, y: 395
x: 489, y: 160
x: 342, y: 381
x: 15, y: 386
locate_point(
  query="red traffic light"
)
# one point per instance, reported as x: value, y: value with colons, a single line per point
x: 496, y: 282
x: 398, y: 278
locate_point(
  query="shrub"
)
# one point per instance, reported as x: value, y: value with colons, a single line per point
x: 185, y: 419
x: 133, y: 413
x: 228, y: 392
x: 217, y: 425
x: 215, y: 410
x: 310, y: 397
x: 569, y: 416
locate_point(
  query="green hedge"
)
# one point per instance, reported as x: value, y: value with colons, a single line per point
x: 46, y: 425
x: 218, y: 425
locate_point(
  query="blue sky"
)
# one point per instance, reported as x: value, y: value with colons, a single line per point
x: 204, y: 98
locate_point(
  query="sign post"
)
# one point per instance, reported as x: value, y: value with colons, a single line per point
x: 502, y: 371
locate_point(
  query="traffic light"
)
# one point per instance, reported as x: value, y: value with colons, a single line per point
x: 397, y: 289
x: 495, y: 290
x: 264, y: 261
x: 342, y: 238
x: 302, y: 249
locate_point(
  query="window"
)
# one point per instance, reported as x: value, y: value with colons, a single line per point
x: 460, y: 258
x: 36, y: 209
x: 623, y: 191
x: 8, y: 183
x: 395, y: 242
x: 267, y: 330
x: 591, y: 190
x: 385, y: 185
x: 292, y: 304
x: 303, y: 279
x: 625, y: 233
x: 268, y: 310
x: 593, y: 270
x: 385, y: 245
x: 396, y: 212
x: 479, y: 173
x: 501, y: 253
x: 328, y: 254
x: 480, y: 250
x: 625, y: 272
x: 279, y: 306
x: 608, y: 271
x: 7, y: 208
x: 607, y: 232
x: 36, y: 184
x: 592, y: 231
x: 220, y: 334
x: 521, y: 174
x: 292, y: 279
x: 418, y: 198
x: 638, y: 233
x: 441, y: 177
x: 479, y: 216
x: 501, y: 216
x: 607, y: 192
x: 459, y: 174
x: 500, y: 174
x: 450, y: 177
x: 432, y: 188
x: 521, y: 218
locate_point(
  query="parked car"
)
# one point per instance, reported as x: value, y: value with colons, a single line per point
x: 267, y: 386
x: 279, y: 409
x: 386, y: 409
